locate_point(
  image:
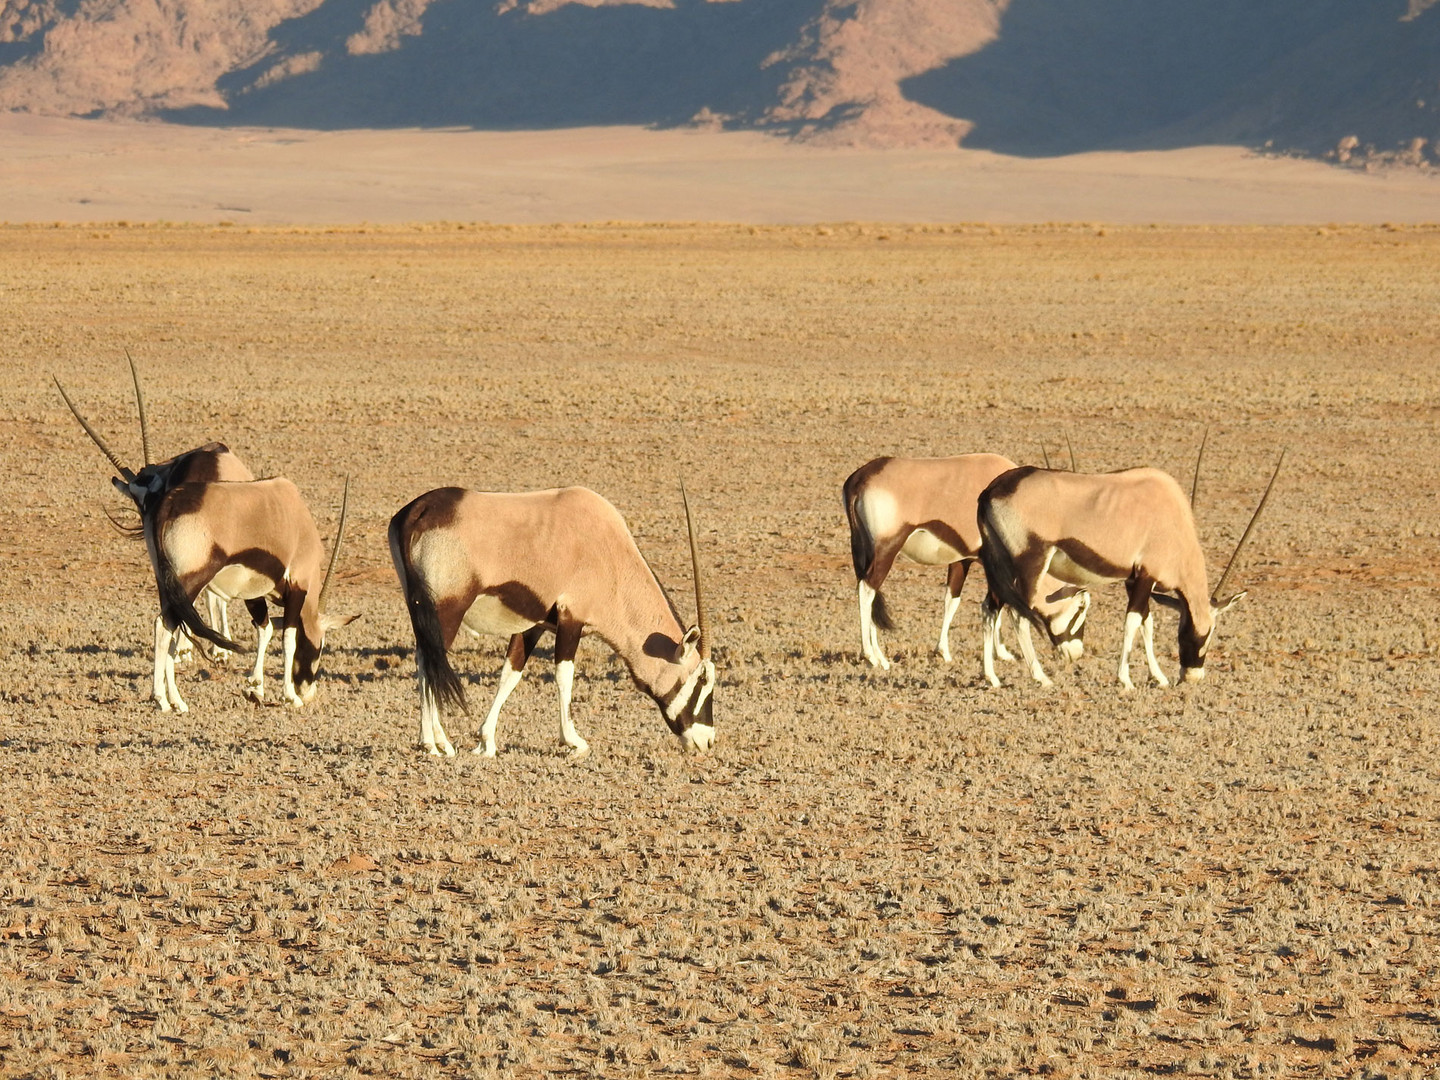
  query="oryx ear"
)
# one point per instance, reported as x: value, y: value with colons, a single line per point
x: 1174, y: 603
x: 330, y: 622
x: 688, y: 642
x: 1220, y: 609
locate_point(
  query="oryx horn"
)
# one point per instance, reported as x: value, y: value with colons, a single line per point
x: 115, y: 461
x: 1072, y: 452
x: 1045, y: 454
x: 1220, y: 585
x: 1195, y: 483
x: 140, y: 404
x: 335, y: 547
x: 701, y: 620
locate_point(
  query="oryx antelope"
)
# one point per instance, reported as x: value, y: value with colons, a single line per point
x: 1133, y: 526
x: 517, y: 565
x: 924, y: 508
x: 213, y: 461
x: 251, y: 540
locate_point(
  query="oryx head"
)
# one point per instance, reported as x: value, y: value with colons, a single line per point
x: 1194, y: 641
x: 687, y: 710
x: 316, y: 621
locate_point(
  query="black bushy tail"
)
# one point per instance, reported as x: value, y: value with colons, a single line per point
x: 1001, y: 576
x: 176, y: 607
x: 862, y: 551
x: 437, y: 677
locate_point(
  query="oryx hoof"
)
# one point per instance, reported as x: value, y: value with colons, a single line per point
x: 1161, y: 680
x: 578, y: 753
x: 1003, y: 653
x: 254, y: 692
x: 484, y: 751
x: 945, y: 655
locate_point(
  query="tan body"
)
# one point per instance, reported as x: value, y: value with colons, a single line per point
x: 252, y: 541
x: 517, y: 565
x: 924, y: 509
x: 1134, y: 526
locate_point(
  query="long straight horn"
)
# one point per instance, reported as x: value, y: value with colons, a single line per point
x: 1045, y: 454
x: 335, y: 547
x: 1072, y: 452
x: 1220, y: 585
x: 701, y: 619
x: 140, y: 404
x: 1195, y: 483
x: 115, y: 461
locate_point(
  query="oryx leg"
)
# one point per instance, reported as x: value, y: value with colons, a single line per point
x: 164, y: 691
x: 867, y: 589
x: 954, y: 582
x: 521, y: 646
x: 1136, y: 614
x: 217, y: 611
x: 567, y: 641
x: 1147, y: 635
x: 264, y: 630
x: 1027, y: 651
x: 293, y: 600
x: 990, y: 635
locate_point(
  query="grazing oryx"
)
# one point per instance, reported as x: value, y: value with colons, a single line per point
x: 1133, y: 526
x: 250, y: 540
x: 562, y: 560
x: 213, y: 461
x: 924, y: 508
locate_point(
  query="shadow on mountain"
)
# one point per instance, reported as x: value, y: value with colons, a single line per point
x: 1064, y: 77
x: 473, y: 67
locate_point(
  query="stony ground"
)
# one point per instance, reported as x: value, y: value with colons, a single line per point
x: 888, y: 874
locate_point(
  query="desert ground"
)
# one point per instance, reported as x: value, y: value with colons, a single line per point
x: 902, y: 873
x: 81, y: 171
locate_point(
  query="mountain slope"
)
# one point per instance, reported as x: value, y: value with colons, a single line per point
x: 1042, y: 77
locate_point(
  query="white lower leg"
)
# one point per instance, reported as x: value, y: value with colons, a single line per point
x: 288, y: 637
x: 1147, y: 635
x: 952, y: 605
x: 509, y: 679
x: 255, y: 682
x: 565, y: 682
x: 990, y: 634
x: 1000, y: 650
x: 1132, y: 624
x: 869, y: 639
x: 171, y: 690
x: 162, y: 654
x: 432, y: 733
x: 1027, y: 651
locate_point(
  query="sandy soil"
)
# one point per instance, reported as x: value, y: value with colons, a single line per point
x: 874, y: 874
x: 95, y: 171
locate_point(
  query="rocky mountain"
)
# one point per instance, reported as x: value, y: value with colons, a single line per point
x: 1355, y: 79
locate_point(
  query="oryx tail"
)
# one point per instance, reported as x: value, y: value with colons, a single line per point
x: 176, y: 607
x: 862, y: 546
x: 438, y: 680
x: 1001, y: 573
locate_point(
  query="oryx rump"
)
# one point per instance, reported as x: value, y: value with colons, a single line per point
x: 517, y: 565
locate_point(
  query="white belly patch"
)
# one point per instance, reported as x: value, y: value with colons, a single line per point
x: 928, y: 549
x: 241, y: 583
x: 487, y: 615
x: 1066, y: 569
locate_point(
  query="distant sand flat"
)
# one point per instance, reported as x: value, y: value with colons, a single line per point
x: 97, y: 171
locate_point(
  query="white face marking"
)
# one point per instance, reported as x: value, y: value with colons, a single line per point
x: 487, y: 615
x: 698, y: 738
x: 926, y: 548
x: 687, y: 690
x: 1194, y: 674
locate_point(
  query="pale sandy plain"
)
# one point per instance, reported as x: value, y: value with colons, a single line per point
x: 897, y: 874
x: 95, y: 171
